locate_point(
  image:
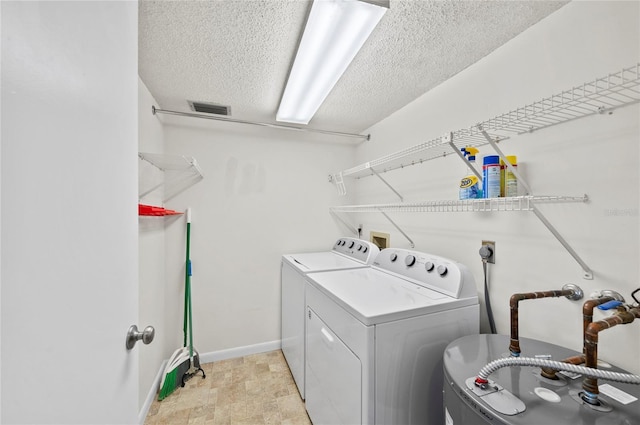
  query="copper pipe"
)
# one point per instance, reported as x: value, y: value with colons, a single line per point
x: 514, y: 344
x: 587, y: 314
x: 621, y: 317
x: 587, y: 318
x: 550, y: 373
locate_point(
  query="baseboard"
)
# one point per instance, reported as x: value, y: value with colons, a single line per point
x: 232, y: 353
x: 213, y: 356
x: 153, y: 392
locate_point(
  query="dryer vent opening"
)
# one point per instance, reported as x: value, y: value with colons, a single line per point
x: 380, y: 239
x: 210, y: 108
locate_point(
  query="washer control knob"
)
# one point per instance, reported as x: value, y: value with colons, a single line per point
x: 410, y: 260
x: 365, y: 249
x: 352, y: 244
x: 428, y: 266
x: 359, y: 247
x: 442, y: 270
x: 394, y: 257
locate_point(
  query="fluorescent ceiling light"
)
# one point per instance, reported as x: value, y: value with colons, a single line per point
x: 334, y: 33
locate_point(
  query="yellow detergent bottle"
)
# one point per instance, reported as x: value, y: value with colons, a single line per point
x: 508, y: 181
x: 470, y: 185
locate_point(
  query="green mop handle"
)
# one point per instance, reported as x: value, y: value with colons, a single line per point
x: 188, y: 286
x: 187, y: 278
x: 190, y: 316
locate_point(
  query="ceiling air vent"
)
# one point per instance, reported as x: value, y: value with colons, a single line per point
x: 210, y: 108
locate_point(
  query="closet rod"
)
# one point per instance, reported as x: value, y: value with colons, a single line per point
x: 155, y: 110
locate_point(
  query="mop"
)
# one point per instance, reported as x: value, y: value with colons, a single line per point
x: 184, y: 363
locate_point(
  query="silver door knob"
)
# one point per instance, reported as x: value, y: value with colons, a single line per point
x: 133, y: 336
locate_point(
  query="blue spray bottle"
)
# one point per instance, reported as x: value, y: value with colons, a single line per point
x: 470, y: 185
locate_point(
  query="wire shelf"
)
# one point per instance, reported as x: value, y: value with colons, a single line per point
x: 595, y: 97
x: 178, y: 172
x: 516, y: 203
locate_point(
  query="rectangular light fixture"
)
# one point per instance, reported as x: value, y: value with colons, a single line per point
x: 334, y: 33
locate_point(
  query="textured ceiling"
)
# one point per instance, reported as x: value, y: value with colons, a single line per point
x: 238, y: 53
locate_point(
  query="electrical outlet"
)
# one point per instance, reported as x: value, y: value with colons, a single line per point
x: 492, y: 246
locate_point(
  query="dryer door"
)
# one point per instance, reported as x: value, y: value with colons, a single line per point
x: 334, y: 376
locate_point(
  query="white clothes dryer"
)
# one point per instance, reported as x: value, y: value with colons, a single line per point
x: 376, y: 337
x: 347, y: 253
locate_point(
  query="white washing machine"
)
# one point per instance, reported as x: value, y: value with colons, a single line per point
x: 347, y: 253
x: 376, y: 337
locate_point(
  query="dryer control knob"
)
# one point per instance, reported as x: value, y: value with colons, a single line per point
x: 352, y: 244
x: 442, y: 270
x: 365, y: 249
x: 394, y: 257
x: 428, y: 266
x: 359, y: 247
x: 410, y: 260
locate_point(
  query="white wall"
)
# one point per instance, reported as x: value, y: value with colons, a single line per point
x: 596, y: 155
x: 265, y: 193
x: 150, y: 247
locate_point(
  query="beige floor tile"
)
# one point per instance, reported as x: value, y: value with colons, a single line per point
x: 290, y: 406
x: 298, y: 420
x: 252, y: 390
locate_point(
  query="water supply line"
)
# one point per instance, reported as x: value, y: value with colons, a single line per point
x: 485, y: 253
x: 587, y: 318
x: 570, y: 291
x: 623, y: 315
x: 482, y: 380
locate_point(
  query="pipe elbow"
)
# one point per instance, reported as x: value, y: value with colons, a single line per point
x: 515, y: 299
x: 590, y: 305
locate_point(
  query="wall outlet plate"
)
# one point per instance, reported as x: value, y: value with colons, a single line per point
x: 492, y: 245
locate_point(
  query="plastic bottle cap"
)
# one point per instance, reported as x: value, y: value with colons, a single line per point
x: 491, y: 160
x: 513, y: 160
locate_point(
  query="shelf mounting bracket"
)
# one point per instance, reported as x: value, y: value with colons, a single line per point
x: 413, y: 245
x: 338, y: 180
x: 387, y: 183
x: 448, y: 138
x: 587, y: 272
x: 503, y: 157
x: 347, y: 225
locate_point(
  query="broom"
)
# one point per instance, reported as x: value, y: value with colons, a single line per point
x: 183, y: 363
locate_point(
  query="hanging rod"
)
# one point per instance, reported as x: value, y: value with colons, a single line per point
x: 155, y: 111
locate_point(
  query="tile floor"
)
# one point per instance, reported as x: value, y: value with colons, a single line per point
x: 252, y: 390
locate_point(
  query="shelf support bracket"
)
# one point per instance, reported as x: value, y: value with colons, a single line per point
x: 448, y: 138
x: 587, y: 272
x: 503, y: 157
x: 413, y: 245
x: 338, y: 180
x: 387, y: 183
x: 347, y: 225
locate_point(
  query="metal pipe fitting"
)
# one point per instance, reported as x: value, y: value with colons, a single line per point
x: 550, y: 373
x: 570, y: 291
x: 622, y: 316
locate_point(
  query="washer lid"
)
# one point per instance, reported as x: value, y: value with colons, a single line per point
x: 321, y: 261
x: 373, y: 296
